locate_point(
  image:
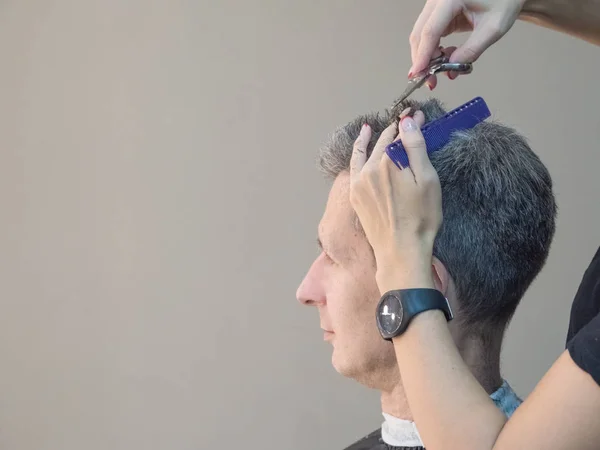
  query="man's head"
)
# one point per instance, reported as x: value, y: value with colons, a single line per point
x: 498, y: 223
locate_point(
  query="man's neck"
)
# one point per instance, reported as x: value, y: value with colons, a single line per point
x: 394, y: 402
x: 485, y: 369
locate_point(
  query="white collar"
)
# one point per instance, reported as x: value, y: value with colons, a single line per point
x: 400, y: 432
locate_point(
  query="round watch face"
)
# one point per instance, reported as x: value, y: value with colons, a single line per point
x: 390, y: 314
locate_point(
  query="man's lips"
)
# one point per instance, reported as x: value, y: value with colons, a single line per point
x: 327, y: 334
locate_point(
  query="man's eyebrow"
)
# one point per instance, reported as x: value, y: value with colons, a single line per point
x: 336, y: 253
x: 325, y: 248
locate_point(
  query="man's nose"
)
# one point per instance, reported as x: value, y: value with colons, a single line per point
x: 311, y: 292
x: 303, y: 297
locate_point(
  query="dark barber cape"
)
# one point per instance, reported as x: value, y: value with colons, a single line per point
x: 373, y: 441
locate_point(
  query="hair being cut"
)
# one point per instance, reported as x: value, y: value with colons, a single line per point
x: 498, y: 209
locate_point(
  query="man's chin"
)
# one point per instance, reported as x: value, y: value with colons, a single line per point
x: 338, y: 365
x: 367, y: 373
x: 346, y: 366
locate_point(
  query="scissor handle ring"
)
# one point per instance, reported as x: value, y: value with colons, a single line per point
x: 455, y: 67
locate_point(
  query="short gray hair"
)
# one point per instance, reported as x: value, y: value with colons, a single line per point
x: 498, y: 205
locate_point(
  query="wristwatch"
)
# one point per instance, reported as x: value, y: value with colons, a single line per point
x: 397, y: 308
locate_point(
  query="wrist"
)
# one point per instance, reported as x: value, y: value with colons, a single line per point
x: 405, y: 266
x: 425, y: 327
x: 395, y: 275
x: 427, y: 320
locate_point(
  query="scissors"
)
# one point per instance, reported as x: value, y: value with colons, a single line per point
x: 436, y: 65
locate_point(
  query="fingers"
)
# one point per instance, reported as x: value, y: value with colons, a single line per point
x: 414, y: 144
x: 419, y: 117
x: 432, y: 30
x: 386, y: 138
x: 483, y: 36
x: 432, y: 80
x: 412, y: 140
x: 415, y: 35
x: 359, y: 151
x: 448, y: 51
x: 404, y: 113
x: 439, y: 18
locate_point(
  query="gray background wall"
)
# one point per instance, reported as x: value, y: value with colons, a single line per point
x: 159, y: 207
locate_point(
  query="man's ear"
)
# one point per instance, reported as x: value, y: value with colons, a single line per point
x: 441, y: 277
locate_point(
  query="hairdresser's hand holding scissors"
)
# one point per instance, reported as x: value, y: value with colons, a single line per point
x: 399, y: 210
x: 489, y: 20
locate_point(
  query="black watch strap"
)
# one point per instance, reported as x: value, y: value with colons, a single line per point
x: 418, y: 300
x: 412, y: 302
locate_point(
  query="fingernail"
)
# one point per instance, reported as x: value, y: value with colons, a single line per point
x: 365, y: 125
x: 410, y: 74
x: 408, y: 124
x: 404, y: 113
x: 452, y: 75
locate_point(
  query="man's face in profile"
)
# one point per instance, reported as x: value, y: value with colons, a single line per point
x: 341, y: 285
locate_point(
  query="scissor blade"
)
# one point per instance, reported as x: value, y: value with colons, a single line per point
x: 413, y: 85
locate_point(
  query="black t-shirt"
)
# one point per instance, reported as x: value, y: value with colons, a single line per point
x: 583, y: 338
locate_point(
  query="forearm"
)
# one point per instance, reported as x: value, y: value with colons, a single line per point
x: 560, y: 414
x: 579, y: 18
x: 451, y: 408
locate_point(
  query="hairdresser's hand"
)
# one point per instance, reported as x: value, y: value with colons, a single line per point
x: 399, y: 210
x: 487, y: 20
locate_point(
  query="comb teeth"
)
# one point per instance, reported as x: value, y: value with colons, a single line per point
x: 438, y: 132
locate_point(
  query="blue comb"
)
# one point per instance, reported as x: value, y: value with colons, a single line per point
x: 437, y: 133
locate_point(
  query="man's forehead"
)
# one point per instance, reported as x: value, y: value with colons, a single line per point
x: 337, y: 228
x: 338, y: 209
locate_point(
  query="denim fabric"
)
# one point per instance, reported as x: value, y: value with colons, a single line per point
x: 506, y: 399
